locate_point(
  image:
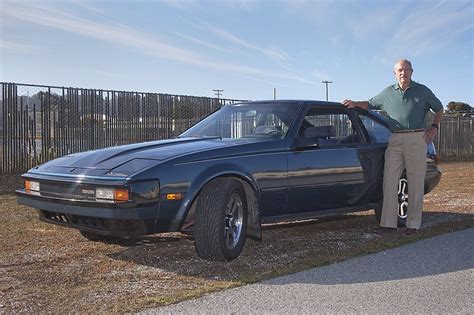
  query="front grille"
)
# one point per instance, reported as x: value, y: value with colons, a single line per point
x: 92, y: 222
x: 78, y: 220
x: 69, y: 191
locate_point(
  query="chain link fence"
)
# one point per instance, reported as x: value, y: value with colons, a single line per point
x: 39, y: 123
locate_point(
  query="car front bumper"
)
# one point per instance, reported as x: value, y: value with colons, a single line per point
x: 103, y: 219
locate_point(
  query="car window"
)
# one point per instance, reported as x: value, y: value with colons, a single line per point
x: 328, y: 127
x: 378, y: 133
x: 263, y: 121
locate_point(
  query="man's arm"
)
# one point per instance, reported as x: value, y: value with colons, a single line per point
x: 437, y: 117
x: 430, y: 133
x: 354, y: 104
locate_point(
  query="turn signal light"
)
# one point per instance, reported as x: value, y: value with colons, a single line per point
x: 32, y: 187
x: 174, y: 196
x: 103, y: 194
x: 121, y: 194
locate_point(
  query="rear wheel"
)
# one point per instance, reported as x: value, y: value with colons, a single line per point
x: 221, y: 220
x: 402, y: 195
x: 402, y: 201
x: 378, y: 210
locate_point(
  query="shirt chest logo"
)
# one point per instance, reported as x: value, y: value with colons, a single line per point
x: 416, y: 99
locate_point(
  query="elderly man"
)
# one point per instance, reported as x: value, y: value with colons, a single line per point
x: 406, y: 104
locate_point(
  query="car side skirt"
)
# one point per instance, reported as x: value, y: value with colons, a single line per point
x: 316, y: 214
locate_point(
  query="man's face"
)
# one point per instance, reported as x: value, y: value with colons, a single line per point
x: 403, y: 72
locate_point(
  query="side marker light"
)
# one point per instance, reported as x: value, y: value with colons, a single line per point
x: 174, y: 196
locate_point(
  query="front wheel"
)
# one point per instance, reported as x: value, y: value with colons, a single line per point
x: 402, y: 195
x: 220, y: 220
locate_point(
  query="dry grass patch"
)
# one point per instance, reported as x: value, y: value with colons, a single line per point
x: 50, y: 269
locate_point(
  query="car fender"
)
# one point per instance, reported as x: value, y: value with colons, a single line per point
x: 227, y: 170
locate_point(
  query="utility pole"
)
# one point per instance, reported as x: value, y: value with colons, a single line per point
x: 326, y: 82
x: 218, y: 93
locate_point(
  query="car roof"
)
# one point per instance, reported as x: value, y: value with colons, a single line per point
x: 290, y: 102
x: 295, y: 102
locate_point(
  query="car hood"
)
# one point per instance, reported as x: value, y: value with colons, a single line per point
x: 131, y: 157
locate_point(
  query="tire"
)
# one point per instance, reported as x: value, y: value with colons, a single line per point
x: 402, y: 195
x: 100, y: 238
x: 221, y: 220
x: 378, y: 211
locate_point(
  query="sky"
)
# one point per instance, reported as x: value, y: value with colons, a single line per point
x: 246, y: 48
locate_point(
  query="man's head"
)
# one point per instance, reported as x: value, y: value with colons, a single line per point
x: 403, y: 71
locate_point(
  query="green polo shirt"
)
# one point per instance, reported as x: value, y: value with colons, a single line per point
x: 406, y: 110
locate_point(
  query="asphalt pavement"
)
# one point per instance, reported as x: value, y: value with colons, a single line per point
x: 434, y: 275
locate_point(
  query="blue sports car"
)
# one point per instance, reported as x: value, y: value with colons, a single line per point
x: 243, y: 165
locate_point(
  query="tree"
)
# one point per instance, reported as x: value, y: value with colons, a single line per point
x: 458, y: 107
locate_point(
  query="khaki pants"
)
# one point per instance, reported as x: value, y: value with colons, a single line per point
x: 404, y: 151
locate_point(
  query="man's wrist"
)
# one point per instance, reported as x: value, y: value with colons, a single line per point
x: 436, y: 126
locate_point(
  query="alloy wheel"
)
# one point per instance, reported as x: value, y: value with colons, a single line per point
x: 234, y: 215
x: 402, y: 198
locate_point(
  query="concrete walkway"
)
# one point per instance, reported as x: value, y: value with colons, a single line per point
x: 430, y: 276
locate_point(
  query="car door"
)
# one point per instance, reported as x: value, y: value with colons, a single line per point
x: 324, y: 167
x: 371, y: 154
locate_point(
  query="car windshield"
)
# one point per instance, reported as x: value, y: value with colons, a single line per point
x: 257, y: 120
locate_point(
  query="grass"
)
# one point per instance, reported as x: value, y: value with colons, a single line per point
x: 50, y: 269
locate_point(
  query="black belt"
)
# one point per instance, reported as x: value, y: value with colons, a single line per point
x: 408, y: 130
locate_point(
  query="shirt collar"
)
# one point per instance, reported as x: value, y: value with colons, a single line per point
x: 397, y: 87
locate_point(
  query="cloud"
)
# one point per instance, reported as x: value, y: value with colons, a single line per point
x: 320, y: 75
x: 428, y: 28
x: 203, y: 43
x: 88, y: 6
x: 103, y: 73
x: 141, y: 41
x: 16, y: 46
x: 271, y: 84
x: 258, y: 72
x: 272, y: 53
x: 181, y: 4
x: 115, y: 33
x: 184, y: 5
x: 376, y: 22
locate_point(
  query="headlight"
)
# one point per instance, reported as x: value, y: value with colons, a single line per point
x: 104, y: 193
x: 111, y: 194
x: 145, y: 191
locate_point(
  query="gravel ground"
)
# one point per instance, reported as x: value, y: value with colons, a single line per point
x: 50, y: 269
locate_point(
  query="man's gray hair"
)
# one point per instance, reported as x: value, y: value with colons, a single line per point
x: 402, y: 60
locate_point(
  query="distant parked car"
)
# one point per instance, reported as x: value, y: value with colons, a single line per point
x: 244, y: 164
